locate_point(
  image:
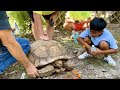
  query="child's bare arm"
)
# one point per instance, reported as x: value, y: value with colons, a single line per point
x: 84, y: 44
x: 109, y: 51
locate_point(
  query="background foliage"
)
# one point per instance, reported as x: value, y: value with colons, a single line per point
x: 22, y: 19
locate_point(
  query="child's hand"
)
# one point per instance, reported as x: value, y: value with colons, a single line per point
x: 96, y: 52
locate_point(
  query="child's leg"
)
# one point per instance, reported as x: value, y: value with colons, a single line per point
x: 104, y: 46
x: 86, y: 54
x: 34, y: 31
x: 50, y: 30
x: 69, y: 26
x: 88, y: 41
x: 38, y: 28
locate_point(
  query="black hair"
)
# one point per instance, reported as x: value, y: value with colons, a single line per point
x: 98, y: 24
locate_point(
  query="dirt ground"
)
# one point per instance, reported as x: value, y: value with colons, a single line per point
x: 91, y: 68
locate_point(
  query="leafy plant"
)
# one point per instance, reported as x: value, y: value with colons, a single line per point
x: 22, y: 19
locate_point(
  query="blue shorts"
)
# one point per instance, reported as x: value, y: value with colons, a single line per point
x: 6, y: 59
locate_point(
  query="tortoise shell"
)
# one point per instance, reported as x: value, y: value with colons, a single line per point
x: 46, y: 52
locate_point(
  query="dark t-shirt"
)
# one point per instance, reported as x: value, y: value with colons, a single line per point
x: 4, y: 23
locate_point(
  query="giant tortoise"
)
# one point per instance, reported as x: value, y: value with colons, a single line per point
x: 50, y: 57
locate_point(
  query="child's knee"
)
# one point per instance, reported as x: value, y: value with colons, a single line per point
x: 64, y: 25
x: 87, y: 40
x: 104, y: 45
x: 67, y: 26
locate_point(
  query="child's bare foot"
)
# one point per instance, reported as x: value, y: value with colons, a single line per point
x: 44, y: 37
